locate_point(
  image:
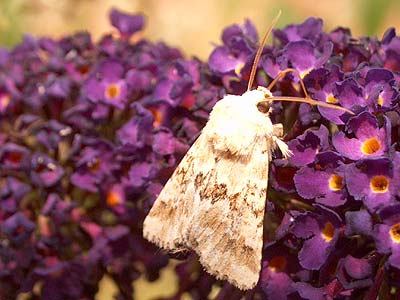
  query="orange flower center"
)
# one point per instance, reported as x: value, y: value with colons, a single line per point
x: 328, y: 232
x: 395, y: 233
x: 380, y: 100
x: 379, y: 184
x: 278, y: 263
x: 94, y: 165
x: 157, y: 116
x: 370, y: 146
x: 112, y: 199
x: 112, y: 91
x: 331, y: 99
x: 335, y: 182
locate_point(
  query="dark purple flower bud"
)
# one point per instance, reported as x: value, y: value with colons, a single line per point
x: 127, y: 24
x: 140, y: 173
x: 17, y: 228
x: 51, y: 134
x: 310, y: 29
x: 355, y: 272
x: 14, y: 157
x: 283, y: 173
x: 307, y: 291
x: 389, y: 56
x: 58, y: 209
x: 139, y: 81
x: 165, y: 143
x: 358, y: 222
x: 12, y: 191
x: 340, y: 37
x: 9, y: 96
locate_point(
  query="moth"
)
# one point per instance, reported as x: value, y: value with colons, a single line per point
x: 214, y: 202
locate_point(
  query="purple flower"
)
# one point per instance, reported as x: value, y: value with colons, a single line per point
x: 277, y: 266
x: 239, y: 46
x: 140, y: 173
x: 52, y: 133
x: 307, y: 291
x: 115, y: 198
x: 126, y: 24
x: 57, y: 209
x: 44, y: 171
x: 164, y: 143
x: 358, y: 222
x: 388, y: 56
x: 322, y: 84
x: 303, y: 56
x: 14, y: 157
x: 319, y: 232
x: 324, y: 181
x: 355, y: 272
x: 306, y: 146
x: 12, y: 191
x: 387, y: 234
x: 310, y: 29
x: 137, y: 131
x: 17, y: 228
x: 370, y: 140
x: 380, y: 89
x: 375, y: 182
x: 107, y: 84
x: 94, y: 165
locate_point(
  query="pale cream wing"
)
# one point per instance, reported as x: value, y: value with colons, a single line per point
x: 226, y: 229
x: 167, y: 222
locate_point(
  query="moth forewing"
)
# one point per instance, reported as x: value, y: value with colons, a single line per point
x: 214, y: 202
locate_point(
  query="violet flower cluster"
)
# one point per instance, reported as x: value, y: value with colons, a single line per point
x: 90, y: 132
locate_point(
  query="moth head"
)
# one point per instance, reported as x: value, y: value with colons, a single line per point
x: 264, y: 105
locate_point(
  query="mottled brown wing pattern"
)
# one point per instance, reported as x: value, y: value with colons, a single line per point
x: 214, y: 204
x: 166, y: 224
x: 227, y: 229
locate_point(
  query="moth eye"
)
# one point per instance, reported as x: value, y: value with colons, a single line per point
x: 263, y: 106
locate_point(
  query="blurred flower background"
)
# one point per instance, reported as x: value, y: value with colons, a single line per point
x: 189, y: 25
x: 82, y: 145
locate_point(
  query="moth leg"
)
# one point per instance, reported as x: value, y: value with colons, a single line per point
x: 277, y: 130
x: 283, y: 147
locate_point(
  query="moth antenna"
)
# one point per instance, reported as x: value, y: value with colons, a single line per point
x: 259, y: 51
x: 309, y: 101
x: 283, y: 74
